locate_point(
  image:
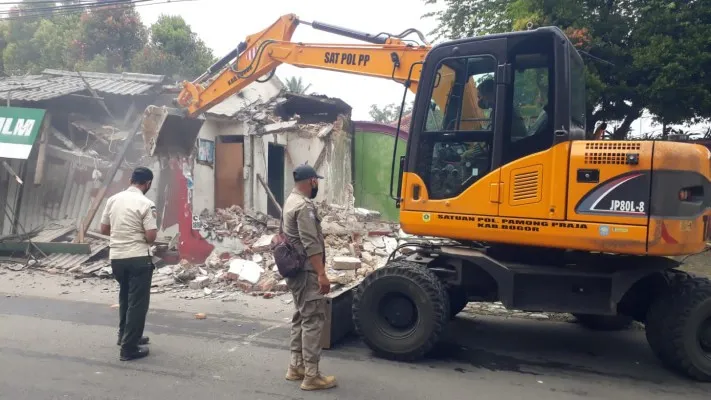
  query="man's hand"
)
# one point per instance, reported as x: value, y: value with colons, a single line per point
x: 324, y: 284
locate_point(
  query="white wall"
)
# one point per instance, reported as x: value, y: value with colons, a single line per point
x: 260, y: 162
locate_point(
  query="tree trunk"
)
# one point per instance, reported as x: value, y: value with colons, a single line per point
x: 621, y: 132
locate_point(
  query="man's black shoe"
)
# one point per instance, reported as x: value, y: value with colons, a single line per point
x: 141, y: 342
x: 134, y: 355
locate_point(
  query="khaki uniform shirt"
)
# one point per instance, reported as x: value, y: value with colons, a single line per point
x: 130, y: 214
x: 303, y: 226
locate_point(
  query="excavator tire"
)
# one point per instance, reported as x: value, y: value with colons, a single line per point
x: 457, y: 301
x: 400, y: 311
x: 604, y: 322
x: 678, y: 325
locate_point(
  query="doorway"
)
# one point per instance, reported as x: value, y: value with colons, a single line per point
x: 275, y: 177
x: 229, y: 171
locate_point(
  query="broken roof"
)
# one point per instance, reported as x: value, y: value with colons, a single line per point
x: 312, y: 105
x: 55, y: 83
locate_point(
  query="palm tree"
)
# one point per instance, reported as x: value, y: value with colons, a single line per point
x: 296, y: 85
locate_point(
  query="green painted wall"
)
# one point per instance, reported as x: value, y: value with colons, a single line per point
x: 373, y: 158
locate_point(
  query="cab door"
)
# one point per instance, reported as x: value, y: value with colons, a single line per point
x: 536, y: 145
x: 453, y: 150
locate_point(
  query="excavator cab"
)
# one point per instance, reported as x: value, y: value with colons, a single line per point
x: 498, y: 99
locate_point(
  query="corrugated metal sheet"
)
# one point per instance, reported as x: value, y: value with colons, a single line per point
x: 54, y: 83
x: 59, y: 197
x: 69, y: 261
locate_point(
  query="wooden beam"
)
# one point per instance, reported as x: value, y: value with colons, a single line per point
x: 42, y: 151
x: 96, y: 201
x: 77, y: 158
x: 12, y: 172
x: 269, y: 193
x: 96, y: 96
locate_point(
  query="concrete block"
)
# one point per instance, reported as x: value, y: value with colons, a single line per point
x: 199, y: 282
x: 263, y: 243
x: 346, y: 263
x: 279, y: 126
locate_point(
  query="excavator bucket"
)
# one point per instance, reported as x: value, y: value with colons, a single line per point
x: 167, y: 131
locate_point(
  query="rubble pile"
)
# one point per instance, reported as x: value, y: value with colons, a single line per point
x: 357, y: 243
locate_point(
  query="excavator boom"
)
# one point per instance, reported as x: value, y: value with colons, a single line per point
x: 384, y: 56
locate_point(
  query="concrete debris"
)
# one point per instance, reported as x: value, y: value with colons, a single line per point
x: 346, y: 263
x: 279, y: 126
x: 357, y: 243
x: 199, y: 282
x: 263, y: 243
x: 246, y: 270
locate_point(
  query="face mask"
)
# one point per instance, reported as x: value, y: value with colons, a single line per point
x: 484, y: 104
x: 314, y: 191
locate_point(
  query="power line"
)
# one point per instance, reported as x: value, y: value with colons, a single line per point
x: 77, y: 9
x: 81, y: 5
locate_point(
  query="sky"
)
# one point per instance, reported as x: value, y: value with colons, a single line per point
x: 222, y: 24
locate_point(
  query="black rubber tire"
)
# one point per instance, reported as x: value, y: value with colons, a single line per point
x: 673, y: 321
x: 423, y: 289
x: 457, y: 301
x: 604, y: 322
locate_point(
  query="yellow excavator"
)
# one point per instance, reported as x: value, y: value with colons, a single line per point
x: 533, y: 214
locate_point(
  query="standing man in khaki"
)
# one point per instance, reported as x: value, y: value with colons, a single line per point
x: 130, y: 220
x: 302, y: 226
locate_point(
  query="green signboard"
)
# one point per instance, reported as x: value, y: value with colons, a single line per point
x: 18, y: 131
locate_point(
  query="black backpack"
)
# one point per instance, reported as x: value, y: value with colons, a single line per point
x: 289, y: 258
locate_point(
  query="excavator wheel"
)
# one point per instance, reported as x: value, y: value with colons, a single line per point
x: 604, y: 322
x: 678, y: 325
x: 400, y: 310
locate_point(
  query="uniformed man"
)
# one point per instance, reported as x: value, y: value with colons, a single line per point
x: 303, y: 227
x: 130, y: 220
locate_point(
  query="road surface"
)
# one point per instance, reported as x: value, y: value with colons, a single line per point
x: 54, y: 348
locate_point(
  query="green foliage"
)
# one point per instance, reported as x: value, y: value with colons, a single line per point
x: 660, y: 49
x: 106, y: 39
x: 113, y: 33
x: 296, y: 85
x: 389, y: 113
x: 174, y: 50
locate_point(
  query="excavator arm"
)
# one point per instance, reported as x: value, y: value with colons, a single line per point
x: 384, y: 55
x: 261, y: 53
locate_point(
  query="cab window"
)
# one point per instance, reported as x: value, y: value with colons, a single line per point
x: 530, y: 115
x: 456, y: 141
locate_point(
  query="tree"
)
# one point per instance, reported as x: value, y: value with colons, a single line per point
x: 389, y: 113
x: 296, y: 85
x: 110, y: 38
x: 174, y: 50
x: 655, y: 51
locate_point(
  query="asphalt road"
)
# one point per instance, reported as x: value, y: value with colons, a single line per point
x: 60, y: 349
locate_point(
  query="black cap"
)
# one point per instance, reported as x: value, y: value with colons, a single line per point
x: 304, y: 172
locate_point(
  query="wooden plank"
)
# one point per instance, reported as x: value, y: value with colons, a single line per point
x: 269, y: 193
x: 68, y: 248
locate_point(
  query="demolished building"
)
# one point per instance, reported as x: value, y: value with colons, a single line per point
x: 241, y: 158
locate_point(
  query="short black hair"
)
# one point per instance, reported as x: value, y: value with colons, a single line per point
x: 487, y: 86
x: 141, y: 175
